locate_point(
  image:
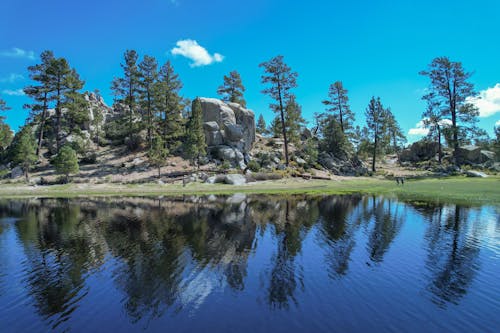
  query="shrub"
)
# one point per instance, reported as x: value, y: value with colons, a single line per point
x: 254, y: 166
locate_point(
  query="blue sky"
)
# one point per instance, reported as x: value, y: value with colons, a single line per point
x: 375, y: 47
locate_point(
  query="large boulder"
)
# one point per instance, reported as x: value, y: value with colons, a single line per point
x: 473, y: 155
x: 231, y: 123
x: 419, y: 151
x: 229, y: 130
x: 17, y: 172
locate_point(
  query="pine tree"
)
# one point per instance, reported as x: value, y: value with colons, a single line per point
x: 333, y: 139
x: 195, y: 138
x: 452, y: 92
x: 5, y: 131
x: 75, y: 103
x: 261, y: 125
x: 338, y: 105
x: 232, y: 89
x: 376, y: 125
x: 66, y: 161
x: 58, y: 72
x: 148, y: 74
x: 126, y: 90
x: 293, y: 120
x: 24, y: 150
x: 281, y: 80
x: 158, y: 153
x: 395, y: 136
x: 433, y: 120
x: 41, y: 94
x: 171, y: 104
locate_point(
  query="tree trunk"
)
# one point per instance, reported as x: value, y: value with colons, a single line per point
x: 283, y: 125
x: 374, y: 152
x: 440, y: 151
x: 42, y: 126
x: 58, y: 118
x: 159, y: 172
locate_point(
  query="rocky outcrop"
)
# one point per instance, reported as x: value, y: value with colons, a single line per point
x: 474, y: 155
x: 229, y: 130
x: 352, y: 166
x: 419, y: 151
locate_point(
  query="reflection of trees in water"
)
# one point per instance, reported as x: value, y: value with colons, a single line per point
x: 338, y: 227
x: 293, y: 220
x: 59, y: 252
x: 388, y: 217
x: 453, y: 251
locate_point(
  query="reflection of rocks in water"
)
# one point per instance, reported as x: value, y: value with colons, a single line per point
x: 453, y: 252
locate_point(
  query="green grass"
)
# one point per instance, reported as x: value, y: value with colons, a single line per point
x: 453, y: 189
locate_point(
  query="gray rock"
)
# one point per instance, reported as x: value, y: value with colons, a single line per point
x: 300, y: 161
x: 17, y: 172
x: 235, y: 179
x: 228, y: 124
x: 473, y: 155
x: 472, y: 173
x: 216, y: 179
x: 419, y: 151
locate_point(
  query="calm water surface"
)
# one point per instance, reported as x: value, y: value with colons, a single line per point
x: 248, y: 264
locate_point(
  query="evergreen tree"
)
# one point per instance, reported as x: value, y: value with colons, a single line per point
x: 232, y: 89
x: 5, y: 131
x: 281, y: 80
x: 275, y: 128
x: 195, y: 138
x: 333, y: 139
x: 41, y: 93
x: 433, y: 120
x: 58, y: 72
x: 158, y: 153
x: 126, y: 90
x: 148, y: 74
x: 24, y: 149
x: 293, y: 120
x: 395, y: 136
x: 496, y: 142
x: 452, y: 90
x: 66, y: 161
x: 338, y: 106
x: 75, y: 103
x: 261, y: 125
x: 171, y: 105
x: 376, y: 125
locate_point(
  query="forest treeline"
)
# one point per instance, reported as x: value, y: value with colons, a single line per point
x: 150, y: 113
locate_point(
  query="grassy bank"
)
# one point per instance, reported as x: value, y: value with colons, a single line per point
x: 455, y: 189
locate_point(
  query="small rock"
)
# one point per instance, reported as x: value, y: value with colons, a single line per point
x: 17, y: 172
x: 235, y: 179
x: 479, y: 174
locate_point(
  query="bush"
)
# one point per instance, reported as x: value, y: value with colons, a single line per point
x: 66, y: 162
x: 254, y: 166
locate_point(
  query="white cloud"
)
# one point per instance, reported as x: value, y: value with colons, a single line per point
x: 199, y: 55
x: 488, y: 101
x: 421, y: 130
x: 418, y: 130
x: 18, y: 53
x: 11, y: 78
x: 17, y: 92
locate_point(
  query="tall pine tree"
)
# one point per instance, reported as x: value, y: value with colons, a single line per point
x: 41, y: 93
x: 195, y: 145
x: 449, y: 83
x: 338, y: 106
x: 126, y: 90
x: 148, y: 74
x: 281, y: 81
x: 170, y: 104
x: 376, y: 125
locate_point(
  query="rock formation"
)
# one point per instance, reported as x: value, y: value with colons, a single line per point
x: 229, y: 130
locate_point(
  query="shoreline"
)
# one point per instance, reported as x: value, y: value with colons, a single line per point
x: 450, y: 189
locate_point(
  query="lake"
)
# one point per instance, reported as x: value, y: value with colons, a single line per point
x: 248, y: 264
